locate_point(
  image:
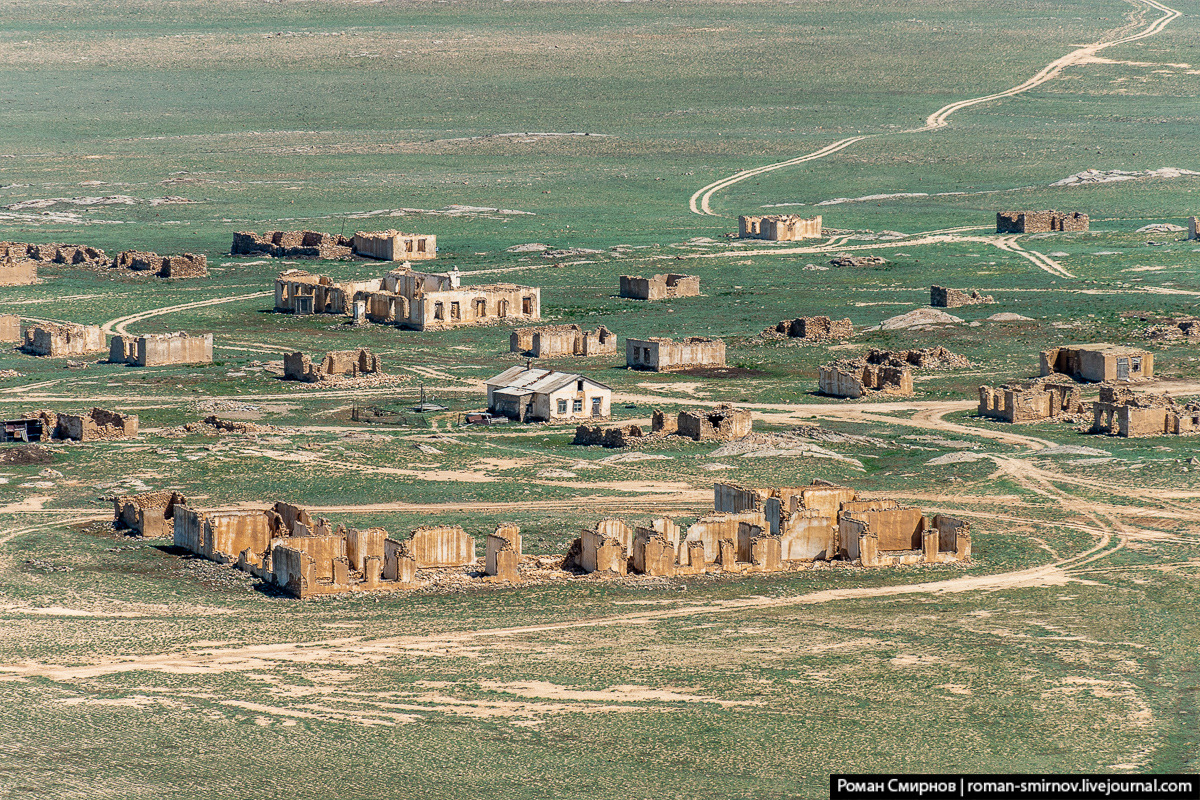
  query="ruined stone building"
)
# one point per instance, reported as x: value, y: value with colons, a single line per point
x: 188, y: 265
x: 291, y: 244
x: 96, y: 425
x: 1040, y: 221
x: 722, y: 423
x: 529, y: 394
x: 161, y: 349
x: 1030, y: 402
x: 941, y: 297
x: 660, y: 287
x: 551, y: 341
x: 10, y: 328
x: 1098, y: 362
x: 349, y: 363
x: 391, y: 245
x: 62, y: 339
x: 305, y: 557
x: 150, y: 514
x: 779, y: 227
x: 812, y: 329
x: 855, y: 378
x: 1120, y: 412
x: 666, y: 355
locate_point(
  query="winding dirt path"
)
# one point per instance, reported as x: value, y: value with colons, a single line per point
x: 699, y: 201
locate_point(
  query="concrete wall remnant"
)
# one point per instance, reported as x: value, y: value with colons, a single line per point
x: 550, y: 341
x: 666, y: 355
x: 10, y: 328
x: 62, y: 339
x: 778, y: 227
x: 337, y: 363
x: 392, y: 245
x: 941, y: 297
x: 161, y: 349
x: 1030, y: 402
x: 1040, y: 221
x: 150, y: 514
x: 660, y: 287
x: 1098, y: 362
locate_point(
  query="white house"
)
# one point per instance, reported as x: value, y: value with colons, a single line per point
x: 526, y: 394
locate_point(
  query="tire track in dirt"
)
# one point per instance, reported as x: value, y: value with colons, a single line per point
x: 699, y: 201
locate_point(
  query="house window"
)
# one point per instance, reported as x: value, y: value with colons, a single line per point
x: 577, y: 406
x: 527, y: 306
x: 439, y: 311
x: 455, y: 313
x: 562, y: 406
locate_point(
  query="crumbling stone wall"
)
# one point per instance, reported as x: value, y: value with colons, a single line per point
x: 778, y: 227
x: 292, y: 244
x: 188, y: 265
x: 660, y: 287
x: 62, y: 339
x: 857, y: 378
x: 1040, y: 221
x: 665, y: 355
x: 150, y: 514
x: 392, y: 245
x: 941, y: 297
x: 1030, y: 402
x: 812, y: 329
x: 161, y: 349
x: 1120, y: 412
x: 549, y: 341
x: 10, y: 328
x: 337, y: 363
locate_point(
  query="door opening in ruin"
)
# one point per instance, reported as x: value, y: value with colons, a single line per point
x: 595, y: 406
x: 455, y: 312
x: 439, y: 311
x: 1122, y: 369
x: 527, y: 305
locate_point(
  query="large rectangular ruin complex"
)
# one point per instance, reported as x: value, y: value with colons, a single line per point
x: 392, y: 245
x: 1040, y: 221
x: 62, y: 339
x: 551, y: 341
x: 1030, y: 402
x: 659, y: 287
x: 666, y: 355
x: 778, y: 227
x: 1120, y: 412
x: 161, y: 349
x: 529, y: 394
x: 1098, y: 362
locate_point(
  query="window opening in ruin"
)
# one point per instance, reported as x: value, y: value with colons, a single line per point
x: 438, y: 311
x: 420, y: 245
x: 577, y: 406
x: 595, y: 406
x: 503, y: 308
x: 527, y: 305
x: 480, y: 307
x: 455, y: 312
x: 562, y: 406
